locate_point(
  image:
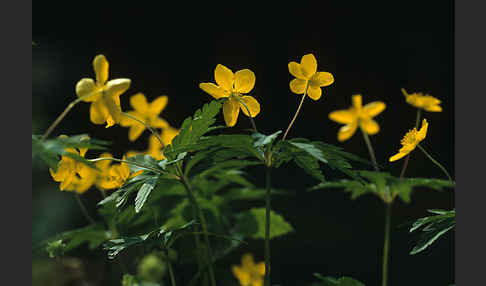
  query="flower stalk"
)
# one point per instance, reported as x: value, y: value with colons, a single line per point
x: 435, y: 162
x: 296, y: 113
x: 267, y: 224
x: 370, y: 149
x: 386, y: 245
x: 146, y: 125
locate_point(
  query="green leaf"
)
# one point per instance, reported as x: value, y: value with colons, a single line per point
x: 144, y: 192
x: 250, y: 194
x: 252, y: 224
x: 343, y: 281
x: 262, y: 139
x: 384, y: 185
x: 433, y: 227
x: 143, y: 162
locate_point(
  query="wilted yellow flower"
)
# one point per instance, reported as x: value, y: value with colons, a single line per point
x: 307, y: 77
x: 425, y: 102
x: 104, y: 96
x: 358, y: 115
x: 411, y: 140
x: 249, y: 273
x: 232, y: 86
x: 147, y: 112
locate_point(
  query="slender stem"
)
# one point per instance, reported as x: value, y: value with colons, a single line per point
x: 128, y: 162
x: 296, y: 113
x: 248, y: 110
x: 146, y: 125
x: 435, y: 162
x: 370, y: 149
x: 405, y: 164
x: 202, y: 219
x: 171, y: 272
x: 84, y: 210
x: 61, y: 116
x: 267, y: 224
x: 386, y: 245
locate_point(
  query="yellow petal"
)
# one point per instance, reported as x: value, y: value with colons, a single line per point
x: 158, y: 104
x: 308, y: 65
x: 126, y: 121
x: 433, y: 108
x: 295, y: 70
x: 357, y: 101
x: 370, y: 126
x: 298, y: 85
x: 87, y: 87
x: 243, y: 277
x: 104, y: 164
x: 100, y: 65
x: 252, y: 105
x: 321, y: 79
x: 135, y: 131
x: 423, y: 131
x: 244, y: 81
x: 159, y: 123
x: 168, y: 134
x: 374, y: 108
x: 347, y: 131
x: 117, y: 86
x: 247, y: 261
x: 139, y: 103
x: 397, y: 156
x: 260, y: 268
x: 114, y: 110
x: 98, y: 112
x: 342, y: 116
x: 231, y: 108
x: 214, y: 90
x: 257, y: 282
x: 314, y: 92
x: 224, y: 77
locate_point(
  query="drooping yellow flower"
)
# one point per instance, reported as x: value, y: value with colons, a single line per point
x: 425, y: 102
x: 249, y: 273
x: 104, y: 95
x: 307, y: 77
x: 358, y: 115
x: 232, y: 86
x: 147, y: 112
x: 411, y: 140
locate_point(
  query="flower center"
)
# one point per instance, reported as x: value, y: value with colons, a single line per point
x: 410, y: 137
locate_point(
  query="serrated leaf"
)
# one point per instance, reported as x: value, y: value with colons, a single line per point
x: 262, y: 139
x: 144, y: 192
x: 433, y: 227
x: 252, y: 224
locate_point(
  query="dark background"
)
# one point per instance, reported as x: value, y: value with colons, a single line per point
x: 370, y: 49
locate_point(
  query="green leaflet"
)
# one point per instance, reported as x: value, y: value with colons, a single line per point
x: 331, y: 281
x: 384, y: 185
x: 252, y: 224
x: 433, y: 227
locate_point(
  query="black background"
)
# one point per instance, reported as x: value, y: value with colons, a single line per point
x: 370, y: 49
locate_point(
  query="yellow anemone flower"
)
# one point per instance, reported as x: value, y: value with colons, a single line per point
x: 307, y: 77
x: 425, y: 102
x: 249, y: 273
x: 232, y: 86
x: 111, y: 176
x: 104, y: 96
x: 358, y: 115
x: 147, y: 112
x: 411, y: 140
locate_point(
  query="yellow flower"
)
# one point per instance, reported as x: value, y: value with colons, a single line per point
x: 425, y: 102
x: 232, y: 86
x: 104, y: 96
x: 411, y: 140
x: 70, y: 173
x: 111, y: 176
x: 148, y: 113
x: 249, y: 273
x: 307, y: 77
x: 358, y: 115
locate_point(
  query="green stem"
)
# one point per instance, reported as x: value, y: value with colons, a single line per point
x: 128, y: 162
x: 296, y: 113
x: 435, y: 162
x: 146, y: 126
x: 248, y: 110
x: 202, y: 219
x: 62, y: 115
x: 405, y: 164
x: 171, y: 272
x: 84, y: 210
x: 386, y: 245
x: 370, y: 149
x: 267, y: 224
